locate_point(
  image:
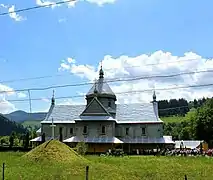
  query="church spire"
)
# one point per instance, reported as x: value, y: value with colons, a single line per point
x: 101, y: 72
x: 53, y: 98
x: 154, y: 96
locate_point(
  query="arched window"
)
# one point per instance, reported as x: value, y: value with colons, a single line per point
x: 103, y: 130
x: 85, y: 130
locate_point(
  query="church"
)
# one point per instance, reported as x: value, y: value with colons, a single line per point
x: 103, y: 124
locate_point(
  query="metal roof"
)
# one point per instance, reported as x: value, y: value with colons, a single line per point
x: 188, y: 144
x: 124, y: 112
x: 148, y: 140
x: 102, y: 88
x: 94, y: 140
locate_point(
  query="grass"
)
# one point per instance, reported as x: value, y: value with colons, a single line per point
x: 31, y: 123
x: 53, y: 151
x: 173, y: 119
x: 105, y: 168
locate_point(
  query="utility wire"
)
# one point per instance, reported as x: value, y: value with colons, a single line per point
x: 124, y: 92
x: 110, y: 81
x: 37, y: 7
x: 127, y: 67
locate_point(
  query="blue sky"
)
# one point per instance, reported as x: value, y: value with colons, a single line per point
x: 87, y: 32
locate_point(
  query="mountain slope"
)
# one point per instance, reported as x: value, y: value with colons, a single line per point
x: 7, y: 127
x: 21, y: 116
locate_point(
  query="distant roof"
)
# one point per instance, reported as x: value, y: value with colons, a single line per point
x: 124, y: 112
x: 189, y: 144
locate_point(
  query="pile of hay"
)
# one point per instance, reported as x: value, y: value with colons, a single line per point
x: 54, y: 150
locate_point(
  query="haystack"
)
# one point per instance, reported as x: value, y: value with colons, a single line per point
x: 54, y: 150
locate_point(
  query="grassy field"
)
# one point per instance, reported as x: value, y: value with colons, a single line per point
x: 31, y: 123
x: 173, y: 119
x: 109, y: 168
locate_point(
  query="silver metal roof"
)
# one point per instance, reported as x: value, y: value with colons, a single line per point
x: 102, y: 88
x: 147, y: 140
x: 94, y: 140
x: 124, y: 112
x: 189, y: 144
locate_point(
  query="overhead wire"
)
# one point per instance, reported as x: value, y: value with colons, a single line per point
x: 127, y: 67
x: 124, y: 92
x: 109, y: 81
x: 37, y: 7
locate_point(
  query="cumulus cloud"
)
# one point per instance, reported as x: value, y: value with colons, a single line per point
x: 12, y: 13
x: 21, y: 95
x: 6, y: 107
x: 156, y: 64
x: 47, y: 3
x: 71, y: 102
x: 70, y: 4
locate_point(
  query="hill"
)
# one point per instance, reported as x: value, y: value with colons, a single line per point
x: 7, y: 126
x: 21, y: 116
x: 55, y: 151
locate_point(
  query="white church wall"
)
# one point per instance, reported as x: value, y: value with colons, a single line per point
x: 135, y: 130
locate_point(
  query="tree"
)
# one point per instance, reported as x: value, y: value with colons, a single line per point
x: 11, y: 139
x: 26, y: 140
x: 81, y: 148
x: 204, y: 122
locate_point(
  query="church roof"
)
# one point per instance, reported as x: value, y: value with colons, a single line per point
x: 102, y: 88
x: 130, y: 113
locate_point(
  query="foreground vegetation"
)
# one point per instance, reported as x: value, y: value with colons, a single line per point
x: 105, y: 168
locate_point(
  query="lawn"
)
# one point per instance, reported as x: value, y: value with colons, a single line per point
x: 173, y: 119
x: 109, y: 168
x: 31, y: 123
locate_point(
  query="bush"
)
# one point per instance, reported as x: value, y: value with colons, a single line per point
x: 81, y: 148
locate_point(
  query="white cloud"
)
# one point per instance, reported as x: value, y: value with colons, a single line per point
x: 6, y: 107
x: 11, y: 12
x: 101, y: 2
x: 71, y: 102
x: 14, y: 15
x: 62, y: 20
x: 21, y: 95
x: 47, y: 3
x: 158, y: 63
x: 73, y: 3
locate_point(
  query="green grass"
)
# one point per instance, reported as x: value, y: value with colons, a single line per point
x: 173, y: 119
x: 107, y: 168
x: 31, y: 123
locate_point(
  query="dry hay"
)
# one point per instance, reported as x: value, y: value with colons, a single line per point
x: 54, y: 150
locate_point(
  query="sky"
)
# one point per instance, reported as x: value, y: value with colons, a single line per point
x: 137, y: 38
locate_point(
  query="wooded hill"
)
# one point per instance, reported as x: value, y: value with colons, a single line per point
x: 7, y: 127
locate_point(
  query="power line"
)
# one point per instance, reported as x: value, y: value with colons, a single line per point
x: 37, y: 7
x: 110, y: 81
x: 124, y: 92
x: 58, y: 75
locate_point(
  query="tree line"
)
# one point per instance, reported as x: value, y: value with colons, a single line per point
x: 178, y: 107
x: 198, y: 124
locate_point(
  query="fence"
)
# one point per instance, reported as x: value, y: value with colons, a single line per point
x: 86, y: 173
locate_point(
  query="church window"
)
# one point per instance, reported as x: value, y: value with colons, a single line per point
x: 85, y: 130
x: 103, y: 130
x: 127, y: 131
x: 143, y: 131
x: 71, y: 130
x: 109, y: 103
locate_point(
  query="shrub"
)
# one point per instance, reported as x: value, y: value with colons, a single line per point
x: 81, y: 148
